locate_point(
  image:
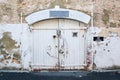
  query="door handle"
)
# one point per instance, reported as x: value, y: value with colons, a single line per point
x: 59, y: 32
x: 54, y: 36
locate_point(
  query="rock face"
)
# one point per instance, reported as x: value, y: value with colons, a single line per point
x: 106, y: 12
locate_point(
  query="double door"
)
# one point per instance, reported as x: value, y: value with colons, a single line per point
x: 58, y: 48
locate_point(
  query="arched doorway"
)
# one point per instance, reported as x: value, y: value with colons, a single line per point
x: 58, y: 39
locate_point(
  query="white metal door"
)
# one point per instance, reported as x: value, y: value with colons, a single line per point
x: 45, y: 49
x: 59, y: 44
x: 71, y: 49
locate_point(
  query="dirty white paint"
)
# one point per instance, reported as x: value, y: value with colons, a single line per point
x: 73, y: 58
x: 45, y: 14
x: 19, y: 33
x: 61, y: 45
x: 62, y: 42
x: 107, y: 52
x: 44, y: 49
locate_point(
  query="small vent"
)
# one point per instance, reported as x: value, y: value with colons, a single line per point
x: 98, y: 38
x: 75, y: 34
x: 59, y: 14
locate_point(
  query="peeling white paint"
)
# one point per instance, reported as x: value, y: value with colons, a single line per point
x: 20, y: 35
x: 94, y: 30
x: 107, y: 52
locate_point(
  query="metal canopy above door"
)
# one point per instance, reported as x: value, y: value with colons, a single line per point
x: 56, y: 47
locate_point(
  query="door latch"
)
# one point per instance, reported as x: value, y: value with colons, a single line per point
x: 59, y: 32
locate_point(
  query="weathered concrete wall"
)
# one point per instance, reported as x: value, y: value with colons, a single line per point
x: 106, y: 12
x: 104, y: 53
x: 15, y: 52
x: 14, y: 46
x: 106, y: 24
